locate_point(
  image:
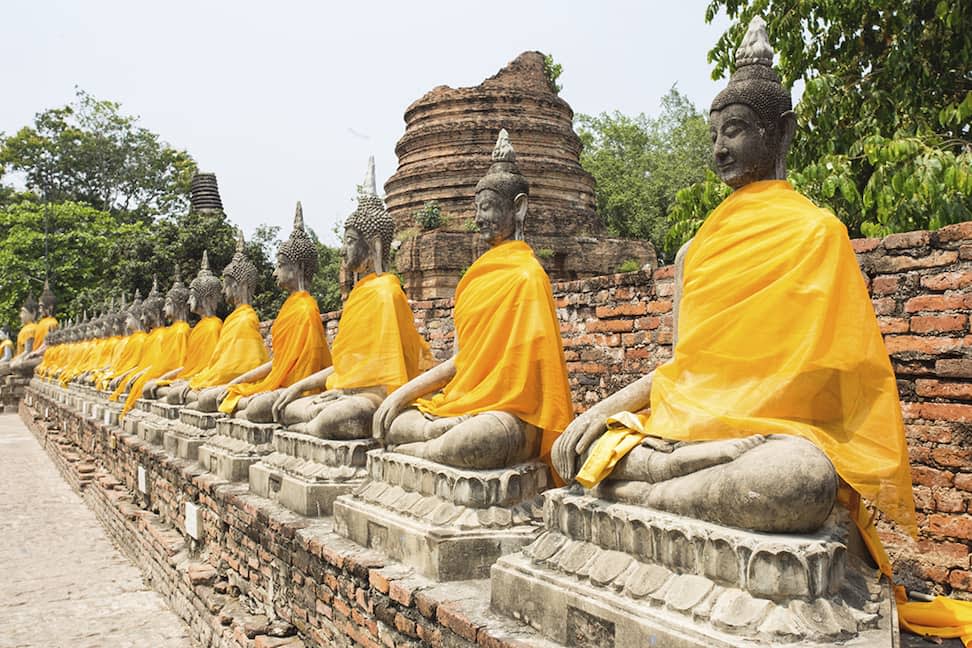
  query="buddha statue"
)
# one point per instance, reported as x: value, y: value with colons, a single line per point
x: 130, y: 349
x: 6, y: 346
x: 26, y: 335
x: 240, y: 346
x: 113, y: 327
x: 503, y: 396
x: 299, y: 347
x: 779, y: 388
x: 204, y: 294
x: 377, y: 348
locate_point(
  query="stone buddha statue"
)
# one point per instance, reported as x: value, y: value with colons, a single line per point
x: 203, y: 300
x: 503, y: 395
x: 131, y: 350
x: 377, y: 348
x: 25, y: 337
x: 239, y: 348
x: 26, y: 362
x: 779, y: 387
x: 299, y: 347
x: 6, y: 346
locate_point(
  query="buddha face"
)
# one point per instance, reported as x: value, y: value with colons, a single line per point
x: 169, y: 309
x: 357, y: 253
x: 495, y: 216
x: 287, y: 274
x: 132, y: 322
x: 193, y: 300
x: 26, y: 316
x: 745, y: 149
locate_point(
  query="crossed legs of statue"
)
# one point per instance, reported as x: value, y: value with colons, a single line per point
x: 775, y: 484
x: 204, y: 400
x: 481, y: 441
x: 334, y: 414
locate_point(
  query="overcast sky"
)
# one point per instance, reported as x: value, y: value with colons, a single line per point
x: 284, y: 101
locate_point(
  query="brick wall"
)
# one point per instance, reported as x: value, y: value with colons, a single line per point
x: 616, y: 328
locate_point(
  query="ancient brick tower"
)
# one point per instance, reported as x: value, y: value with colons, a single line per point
x: 449, y: 136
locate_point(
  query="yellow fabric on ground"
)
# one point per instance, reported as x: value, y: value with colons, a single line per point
x: 199, y: 348
x: 169, y: 354
x: 128, y: 359
x: 377, y: 343
x: 43, y: 328
x: 27, y: 332
x: 239, y: 349
x: 510, y: 356
x: 777, y: 335
x: 299, y: 349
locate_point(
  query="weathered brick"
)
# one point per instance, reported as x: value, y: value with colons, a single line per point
x: 951, y: 456
x: 951, y: 526
x: 610, y: 326
x: 450, y: 616
x: 947, y: 280
x: 963, y: 481
x: 960, y: 579
x: 954, y: 367
x: 621, y: 310
x: 905, y: 240
x: 922, y: 344
x: 956, y: 232
x: 950, y: 501
x: 927, y: 476
x: 903, y: 263
x: 884, y: 284
x: 936, y: 303
x: 660, y: 306
x: 938, y: 323
x: 945, y: 412
x: 890, y: 325
x: 865, y: 245
x: 884, y: 305
x: 931, y: 433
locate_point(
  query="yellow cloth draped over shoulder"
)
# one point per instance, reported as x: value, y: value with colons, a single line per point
x: 239, y: 349
x: 299, y: 349
x: 151, y: 348
x: 168, y: 354
x: 130, y: 354
x: 199, y: 349
x: 510, y: 355
x: 7, y: 344
x: 377, y: 343
x: 43, y: 328
x: 27, y: 332
x: 777, y: 335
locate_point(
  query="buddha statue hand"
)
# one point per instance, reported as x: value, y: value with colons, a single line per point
x: 286, y: 397
x: 659, y: 444
x: 222, y: 394
x: 389, y: 409
x: 575, y: 440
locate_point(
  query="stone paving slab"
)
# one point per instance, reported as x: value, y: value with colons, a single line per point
x: 62, y: 582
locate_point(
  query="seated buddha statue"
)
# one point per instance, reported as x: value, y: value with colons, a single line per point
x: 113, y: 328
x: 204, y: 293
x: 152, y: 317
x: 240, y: 345
x: 298, y: 345
x: 503, y: 396
x: 129, y: 351
x: 25, y: 364
x: 779, y: 389
x: 25, y: 337
x: 6, y: 346
x: 377, y: 348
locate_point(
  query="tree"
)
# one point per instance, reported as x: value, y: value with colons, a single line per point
x: 88, y: 152
x: 885, y: 117
x: 639, y: 163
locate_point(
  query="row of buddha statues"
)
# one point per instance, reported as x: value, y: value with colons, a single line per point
x: 779, y: 400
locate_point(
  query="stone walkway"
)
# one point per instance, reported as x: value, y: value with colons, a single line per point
x: 62, y: 582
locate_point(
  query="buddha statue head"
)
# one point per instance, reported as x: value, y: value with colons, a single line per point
x: 28, y: 311
x: 119, y: 316
x: 501, y: 196
x: 133, y: 314
x: 204, y: 290
x: 176, y: 307
x: 752, y: 120
x: 368, y: 231
x: 153, y: 307
x: 47, y: 301
x: 296, y: 257
x: 240, y: 275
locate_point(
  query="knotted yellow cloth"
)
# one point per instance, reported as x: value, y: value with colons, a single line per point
x: 43, y: 328
x: 27, y: 332
x: 777, y: 335
x: 510, y: 356
x: 377, y: 343
x: 299, y: 349
x: 199, y: 349
x: 239, y: 349
x: 168, y: 354
x: 130, y: 354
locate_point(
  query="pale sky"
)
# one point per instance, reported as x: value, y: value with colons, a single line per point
x: 285, y: 101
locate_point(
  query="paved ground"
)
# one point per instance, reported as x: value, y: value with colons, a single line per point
x: 62, y: 582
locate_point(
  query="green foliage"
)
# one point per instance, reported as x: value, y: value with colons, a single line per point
x: 88, y: 152
x: 552, y: 71
x: 261, y: 249
x: 692, y: 204
x: 430, y: 216
x: 885, y: 120
x: 544, y: 253
x: 471, y: 226
x: 629, y: 265
x: 640, y: 163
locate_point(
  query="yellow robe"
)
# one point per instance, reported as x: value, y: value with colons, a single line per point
x: 376, y: 343
x: 151, y: 348
x: 128, y: 357
x: 510, y: 355
x: 199, y: 349
x: 777, y: 335
x: 239, y: 349
x: 7, y: 344
x: 43, y: 328
x: 299, y: 349
x: 27, y: 332
x: 168, y: 354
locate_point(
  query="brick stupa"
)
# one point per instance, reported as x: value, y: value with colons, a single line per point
x: 449, y: 136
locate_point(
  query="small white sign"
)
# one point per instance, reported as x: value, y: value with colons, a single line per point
x: 107, y: 417
x: 142, y: 480
x: 193, y: 520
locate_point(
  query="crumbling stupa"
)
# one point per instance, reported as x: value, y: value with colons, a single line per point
x: 449, y: 135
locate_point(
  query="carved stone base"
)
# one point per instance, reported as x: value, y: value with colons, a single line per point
x: 236, y: 445
x: 306, y: 474
x: 604, y: 574
x: 133, y: 422
x: 201, y: 420
x: 184, y: 441
x: 164, y: 410
x: 448, y: 523
x: 152, y: 429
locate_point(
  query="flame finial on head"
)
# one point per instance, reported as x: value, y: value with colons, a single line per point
x: 503, y: 151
